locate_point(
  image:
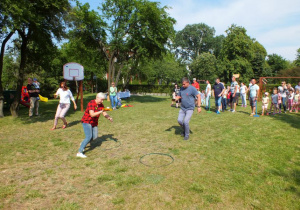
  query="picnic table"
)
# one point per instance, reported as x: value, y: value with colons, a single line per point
x: 125, y: 94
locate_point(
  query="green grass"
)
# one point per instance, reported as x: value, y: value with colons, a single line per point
x: 232, y: 160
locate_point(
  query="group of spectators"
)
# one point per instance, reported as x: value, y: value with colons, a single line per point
x: 284, y: 96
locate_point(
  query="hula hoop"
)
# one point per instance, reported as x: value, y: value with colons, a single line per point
x: 163, y: 154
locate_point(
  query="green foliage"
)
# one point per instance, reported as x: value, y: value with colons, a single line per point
x: 193, y: 40
x: 297, y: 61
x: 277, y: 63
x: 204, y: 67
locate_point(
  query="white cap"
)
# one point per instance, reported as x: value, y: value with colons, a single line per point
x: 194, y: 78
x: 100, y: 95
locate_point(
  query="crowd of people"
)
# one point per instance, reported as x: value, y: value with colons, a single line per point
x: 284, y: 98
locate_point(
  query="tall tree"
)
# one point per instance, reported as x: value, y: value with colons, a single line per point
x: 6, y: 32
x: 204, y: 67
x: 134, y: 29
x: 36, y: 23
x: 194, y: 39
x: 297, y: 61
x: 237, y: 53
x: 277, y: 63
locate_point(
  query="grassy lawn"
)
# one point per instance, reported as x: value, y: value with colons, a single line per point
x: 232, y: 161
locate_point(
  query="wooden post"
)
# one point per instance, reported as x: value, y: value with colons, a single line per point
x: 260, y: 88
x: 81, y: 94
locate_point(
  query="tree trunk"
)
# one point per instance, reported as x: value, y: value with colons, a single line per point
x: 14, y: 108
x: 119, y: 73
x: 110, y: 67
x: 1, y: 70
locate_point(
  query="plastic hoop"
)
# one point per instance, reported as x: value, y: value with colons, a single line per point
x: 163, y: 154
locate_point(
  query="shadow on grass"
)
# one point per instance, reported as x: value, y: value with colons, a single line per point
x: 177, y: 129
x: 293, y: 119
x: 145, y: 99
x: 100, y: 140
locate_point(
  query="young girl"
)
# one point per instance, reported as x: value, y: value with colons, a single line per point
x: 64, y: 104
x: 274, y: 101
x: 202, y: 97
x: 279, y: 102
x: 290, y: 99
x: 228, y: 96
x: 265, y: 103
x: 243, y: 92
x: 296, y: 101
x: 224, y: 100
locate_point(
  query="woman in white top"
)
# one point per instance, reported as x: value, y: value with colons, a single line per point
x: 243, y: 92
x: 64, y: 104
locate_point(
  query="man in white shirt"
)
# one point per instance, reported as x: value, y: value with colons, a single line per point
x: 253, y: 95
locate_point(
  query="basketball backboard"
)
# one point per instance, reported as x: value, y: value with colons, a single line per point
x: 73, y: 71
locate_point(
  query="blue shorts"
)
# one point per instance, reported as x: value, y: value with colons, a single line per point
x: 218, y: 101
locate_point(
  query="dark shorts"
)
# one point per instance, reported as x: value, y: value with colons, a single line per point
x: 252, y: 101
x: 233, y: 99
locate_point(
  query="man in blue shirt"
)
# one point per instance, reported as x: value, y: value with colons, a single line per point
x: 187, y: 94
x: 218, y: 91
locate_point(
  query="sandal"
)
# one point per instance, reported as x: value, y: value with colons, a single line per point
x: 64, y: 126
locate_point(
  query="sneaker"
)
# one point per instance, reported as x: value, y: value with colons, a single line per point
x: 233, y: 111
x: 251, y: 114
x: 79, y: 154
x: 182, y: 134
x: 218, y: 112
x: 186, y: 138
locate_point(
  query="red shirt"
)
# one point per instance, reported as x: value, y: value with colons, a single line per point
x: 92, y: 105
x: 196, y: 85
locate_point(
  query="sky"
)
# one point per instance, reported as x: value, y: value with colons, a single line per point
x: 273, y: 23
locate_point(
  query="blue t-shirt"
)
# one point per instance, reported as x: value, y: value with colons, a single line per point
x: 188, y: 97
x: 218, y: 88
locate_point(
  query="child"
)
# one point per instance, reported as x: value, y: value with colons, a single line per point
x: 224, y: 100
x: 279, y: 103
x: 265, y: 103
x: 275, y: 99
x: 296, y: 101
x: 202, y: 97
x: 290, y: 99
x: 228, y: 96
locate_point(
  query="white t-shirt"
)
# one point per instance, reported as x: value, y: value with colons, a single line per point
x: 291, y: 96
x: 243, y: 89
x: 238, y: 89
x: 253, y: 89
x: 208, y: 86
x: 233, y: 86
x: 64, y: 96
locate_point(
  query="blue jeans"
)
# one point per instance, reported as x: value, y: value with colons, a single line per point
x: 224, y: 103
x: 244, y: 102
x: 113, y: 101
x: 207, y: 101
x: 89, y: 132
x: 184, y: 118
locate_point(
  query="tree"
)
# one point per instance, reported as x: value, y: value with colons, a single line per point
x: 6, y: 32
x: 134, y: 29
x: 204, y: 67
x: 277, y: 63
x: 258, y: 61
x: 36, y: 23
x: 194, y: 39
x: 297, y: 61
x: 237, y: 53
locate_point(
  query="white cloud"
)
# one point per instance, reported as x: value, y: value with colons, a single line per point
x: 274, y: 23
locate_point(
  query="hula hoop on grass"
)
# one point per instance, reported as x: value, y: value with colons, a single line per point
x: 163, y: 154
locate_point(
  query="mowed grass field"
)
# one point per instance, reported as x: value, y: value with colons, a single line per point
x: 232, y: 160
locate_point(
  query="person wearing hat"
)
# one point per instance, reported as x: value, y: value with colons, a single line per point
x: 196, y: 84
x: 265, y: 103
x: 90, y: 121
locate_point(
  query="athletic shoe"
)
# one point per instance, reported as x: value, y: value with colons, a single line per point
x: 233, y: 111
x: 218, y: 112
x: 79, y: 154
x: 182, y: 134
x: 186, y: 138
x: 251, y: 114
